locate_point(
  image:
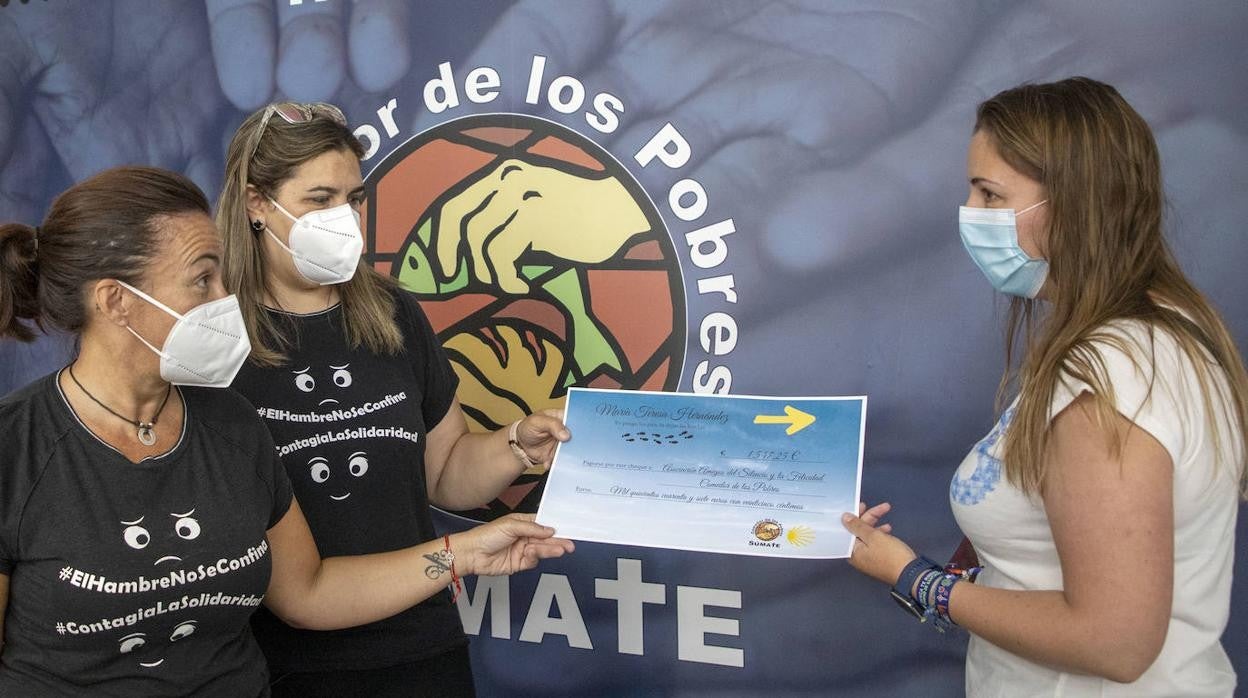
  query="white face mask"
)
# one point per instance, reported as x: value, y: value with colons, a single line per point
x: 325, y: 244
x: 206, y: 347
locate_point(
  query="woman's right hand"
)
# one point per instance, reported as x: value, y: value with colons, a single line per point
x: 340, y: 592
x: 876, y: 553
x: 507, y: 545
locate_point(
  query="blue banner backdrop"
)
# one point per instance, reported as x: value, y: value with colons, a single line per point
x: 798, y: 166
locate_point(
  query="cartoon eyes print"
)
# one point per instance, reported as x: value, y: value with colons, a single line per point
x: 186, y: 527
x: 137, y: 537
x: 306, y: 383
x: 183, y: 630
x: 357, y: 465
x: 134, y: 642
x: 320, y: 469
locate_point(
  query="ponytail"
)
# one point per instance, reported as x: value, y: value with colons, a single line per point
x: 19, y: 282
x: 105, y: 227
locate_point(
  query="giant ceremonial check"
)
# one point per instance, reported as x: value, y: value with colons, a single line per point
x: 715, y: 473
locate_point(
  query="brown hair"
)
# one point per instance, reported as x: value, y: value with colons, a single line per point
x: 104, y: 227
x: 266, y: 158
x: 1108, y: 261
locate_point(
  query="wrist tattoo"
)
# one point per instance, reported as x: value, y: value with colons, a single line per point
x: 441, y: 563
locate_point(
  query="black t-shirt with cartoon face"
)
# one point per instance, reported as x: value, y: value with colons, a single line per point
x: 350, y: 427
x: 134, y: 579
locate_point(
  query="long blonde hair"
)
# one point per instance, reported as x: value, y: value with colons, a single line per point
x: 265, y: 159
x: 1108, y: 261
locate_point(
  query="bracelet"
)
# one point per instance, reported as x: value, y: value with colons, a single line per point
x: 911, y: 572
x: 903, y: 591
x: 938, y: 621
x: 967, y: 573
x: 515, y: 446
x: 923, y: 593
x: 943, y: 591
x: 446, y: 540
x: 938, y: 610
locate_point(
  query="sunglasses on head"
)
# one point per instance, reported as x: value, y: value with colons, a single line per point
x: 297, y: 113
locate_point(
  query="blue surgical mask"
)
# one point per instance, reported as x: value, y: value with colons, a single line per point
x: 991, y: 239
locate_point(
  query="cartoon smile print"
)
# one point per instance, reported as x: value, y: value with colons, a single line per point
x: 306, y: 383
x: 135, y: 642
x: 138, y: 537
x: 357, y: 465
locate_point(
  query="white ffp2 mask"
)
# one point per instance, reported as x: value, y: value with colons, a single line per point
x: 325, y: 244
x: 206, y: 347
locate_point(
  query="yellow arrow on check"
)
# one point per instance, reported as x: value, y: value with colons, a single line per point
x: 795, y: 418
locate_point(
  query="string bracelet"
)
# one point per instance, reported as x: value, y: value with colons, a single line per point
x: 455, y: 581
x: 520, y: 453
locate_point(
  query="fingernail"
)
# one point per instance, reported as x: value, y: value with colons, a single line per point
x: 847, y: 517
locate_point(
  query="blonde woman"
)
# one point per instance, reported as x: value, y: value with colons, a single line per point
x: 358, y: 395
x: 1102, y: 505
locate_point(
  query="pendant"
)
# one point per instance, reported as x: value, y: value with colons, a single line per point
x: 147, y: 435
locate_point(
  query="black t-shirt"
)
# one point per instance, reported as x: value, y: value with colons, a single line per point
x: 350, y: 427
x: 134, y: 579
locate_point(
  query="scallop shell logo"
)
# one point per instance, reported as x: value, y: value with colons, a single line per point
x: 768, y: 530
x: 800, y: 536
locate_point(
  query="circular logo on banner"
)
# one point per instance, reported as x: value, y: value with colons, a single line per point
x: 540, y: 262
x: 768, y: 530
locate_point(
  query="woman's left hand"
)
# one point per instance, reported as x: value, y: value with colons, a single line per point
x: 876, y: 552
x: 540, y: 432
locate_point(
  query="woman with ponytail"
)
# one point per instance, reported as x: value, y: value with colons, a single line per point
x: 144, y: 513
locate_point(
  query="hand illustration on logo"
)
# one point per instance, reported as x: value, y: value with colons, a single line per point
x: 320, y: 472
x: 485, y: 235
x: 137, y: 536
x: 520, y: 207
x: 583, y: 246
